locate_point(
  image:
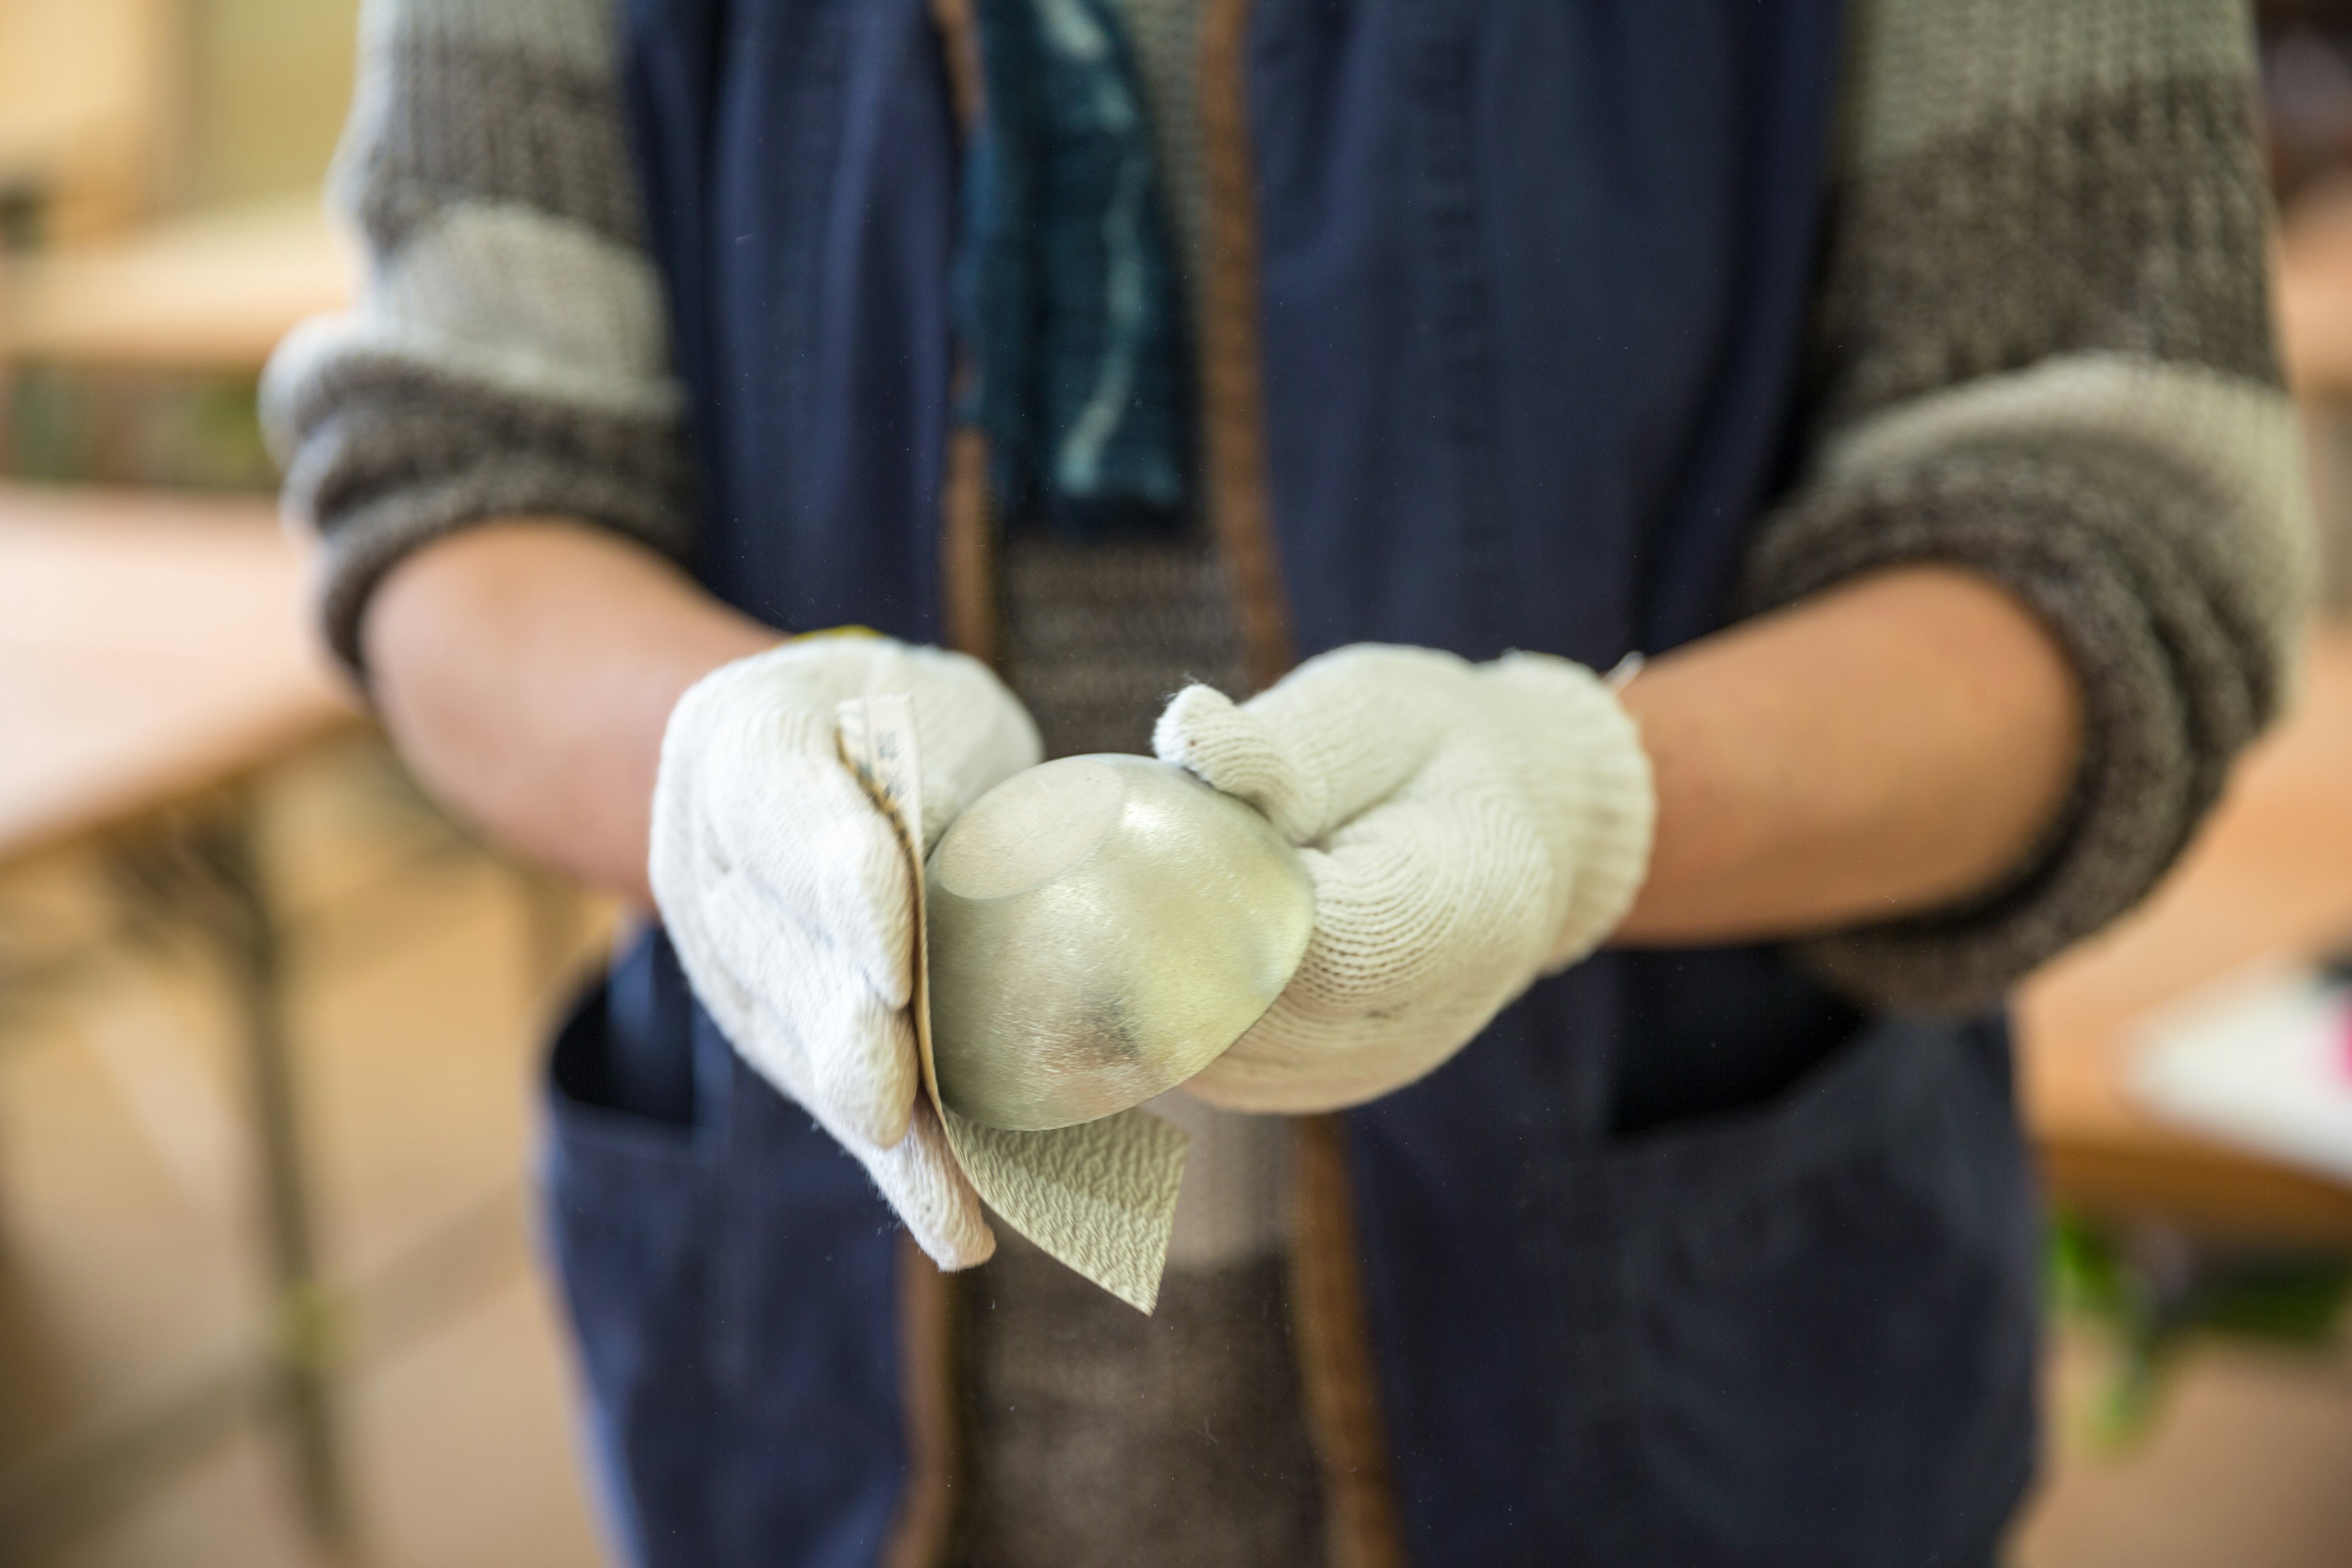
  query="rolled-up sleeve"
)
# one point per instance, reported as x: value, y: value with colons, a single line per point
x: 508, y: 351
x: 2043, y: 351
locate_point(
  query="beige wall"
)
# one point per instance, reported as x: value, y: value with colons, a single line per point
x: 269, y: 82
x: 85, y: 90
x: 112, y: 111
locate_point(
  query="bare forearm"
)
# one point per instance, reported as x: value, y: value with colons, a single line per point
x: 526, y: 670
x: 1888, y: 747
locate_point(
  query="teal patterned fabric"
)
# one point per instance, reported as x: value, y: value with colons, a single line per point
x: 1067, y: 294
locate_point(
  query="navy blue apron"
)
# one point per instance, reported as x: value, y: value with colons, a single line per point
x: 1682, y: 1261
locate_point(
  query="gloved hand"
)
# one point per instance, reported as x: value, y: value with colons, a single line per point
x: 1468, y: 827
x: 791, y: 903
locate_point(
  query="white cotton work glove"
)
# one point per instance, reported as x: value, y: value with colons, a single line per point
x: 791, y: 903
x: 1469, y: 827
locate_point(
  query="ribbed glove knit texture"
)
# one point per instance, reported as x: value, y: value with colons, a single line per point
x: 1469, y: 827
x: 789, y: 900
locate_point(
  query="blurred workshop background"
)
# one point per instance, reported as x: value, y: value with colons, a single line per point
x: 267, y: 1021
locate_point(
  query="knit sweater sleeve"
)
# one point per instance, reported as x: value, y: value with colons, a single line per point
x: 507, y: 353
x: 2042, y: 350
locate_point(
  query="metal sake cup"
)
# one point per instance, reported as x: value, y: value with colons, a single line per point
x: 1101, y: 929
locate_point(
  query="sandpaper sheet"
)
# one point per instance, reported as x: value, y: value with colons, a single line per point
x: 1100, y: 1196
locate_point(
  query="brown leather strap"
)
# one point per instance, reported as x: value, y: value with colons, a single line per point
x: 1335, y: 1357
x: 967, y: 565
x: 960, y: 41
x: 918, y: 1536
x: 1327, y: 1283
x: 971, y: 620
x: 1234, y: 415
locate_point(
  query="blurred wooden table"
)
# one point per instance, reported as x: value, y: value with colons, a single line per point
x: 150, y: 649
x: 2271, y: 875
x: 206, y: 292
x: 153, y: 667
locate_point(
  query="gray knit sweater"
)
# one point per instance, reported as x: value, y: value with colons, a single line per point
x: 2040, y: 348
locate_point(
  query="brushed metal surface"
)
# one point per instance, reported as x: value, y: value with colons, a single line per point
x: 1101, y: 929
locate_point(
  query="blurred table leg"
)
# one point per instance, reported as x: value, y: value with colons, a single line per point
x: 302, y: 1338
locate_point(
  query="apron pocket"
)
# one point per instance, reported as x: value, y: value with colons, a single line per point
x: 730, y: 1279
x: 624, y: 1207
x: 1831, y: 1304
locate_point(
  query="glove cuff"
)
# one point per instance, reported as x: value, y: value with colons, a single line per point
x: 1600, y: 779
x: 1622, y: 807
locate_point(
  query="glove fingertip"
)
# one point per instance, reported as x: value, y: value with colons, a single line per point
x: 965, y: 1249
x: 872, y: 1121
x: 889, y: 1123
x: 1017, y: 745
x: 940, y: 1209
x: 1233, y: 749
x: 873, y: 1079
x: 1191, y: 712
